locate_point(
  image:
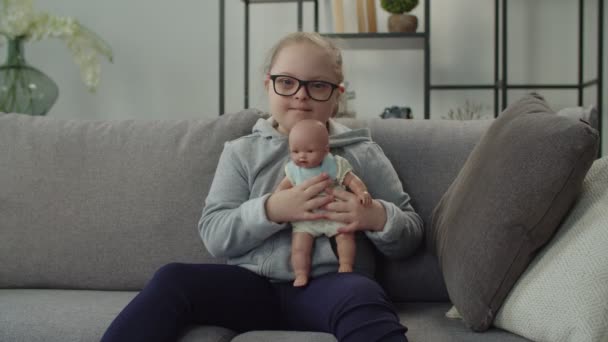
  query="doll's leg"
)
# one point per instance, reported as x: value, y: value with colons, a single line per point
x: 301, y: 247
x: 346, y: 251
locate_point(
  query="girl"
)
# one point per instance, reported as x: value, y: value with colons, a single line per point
x: 245, y: 221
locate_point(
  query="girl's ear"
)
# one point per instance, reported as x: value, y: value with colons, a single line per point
x: 341, y: 88
x: 338, y: 104
x: 266, y: 81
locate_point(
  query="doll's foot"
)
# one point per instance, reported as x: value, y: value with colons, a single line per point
x: 300, y: 281
x: 345, y: 268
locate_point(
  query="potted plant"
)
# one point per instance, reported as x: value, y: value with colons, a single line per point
x: 400, y: 20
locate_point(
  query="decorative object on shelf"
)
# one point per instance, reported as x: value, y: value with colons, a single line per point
x: 366, y: 16
x: 371, y: 16
x: 338, y: 14
x: 400, y: 20
x: 396, y: 112
x: 361, y: 19
x: 470, y: 111
x: 23, y: 88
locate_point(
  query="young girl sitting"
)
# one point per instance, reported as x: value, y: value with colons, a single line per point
x: 247, y: 222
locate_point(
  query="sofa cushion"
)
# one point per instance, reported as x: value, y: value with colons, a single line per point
x: 103, y: 204
x: 427, y: 322
x: 74, y: 316
x: 506, y: 202
x: 58, y: 315
x: 563, y: 296
x: 284, y: 336
x: 588, y: 114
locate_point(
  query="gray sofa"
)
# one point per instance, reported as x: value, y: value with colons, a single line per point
x: 90, y: 209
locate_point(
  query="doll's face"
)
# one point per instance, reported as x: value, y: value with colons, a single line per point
x: 308, y: 143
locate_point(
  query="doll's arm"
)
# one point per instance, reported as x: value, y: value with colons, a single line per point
x: 356, y: 185
x: 284, y: 185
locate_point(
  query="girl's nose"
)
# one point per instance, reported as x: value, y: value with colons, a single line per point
x: 301, y: 93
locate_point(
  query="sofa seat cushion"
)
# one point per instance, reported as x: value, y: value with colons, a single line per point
x: 284, y: 336
x: 427, y: 322
x: 73, y: 315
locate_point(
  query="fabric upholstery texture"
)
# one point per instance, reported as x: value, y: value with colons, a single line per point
x: 58, y: 315
x: 103, y: 204
x: 73, y: 316
x: 427, y: 323
x: 506, y: 202
x: 588, y: 114
x: 563, y: 296
x: 284, y: 336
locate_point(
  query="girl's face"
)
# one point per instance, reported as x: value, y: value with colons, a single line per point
x: 306, y: 62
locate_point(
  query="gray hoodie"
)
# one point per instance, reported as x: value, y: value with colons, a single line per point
x: 234, y: 223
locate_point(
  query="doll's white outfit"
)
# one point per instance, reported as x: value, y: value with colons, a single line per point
x: 337, y: 168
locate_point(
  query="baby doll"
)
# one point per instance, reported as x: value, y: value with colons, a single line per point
x: 309, y: 153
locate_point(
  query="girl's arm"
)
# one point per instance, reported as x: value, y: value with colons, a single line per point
x: 232, y: 223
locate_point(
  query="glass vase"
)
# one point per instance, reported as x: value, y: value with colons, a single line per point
x: 23, y: 88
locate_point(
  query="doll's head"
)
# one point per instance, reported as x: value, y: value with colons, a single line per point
x: 308, y: 143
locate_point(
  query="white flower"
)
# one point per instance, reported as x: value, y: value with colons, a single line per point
x: 18, y: 19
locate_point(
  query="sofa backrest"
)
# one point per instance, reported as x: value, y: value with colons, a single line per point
x: 427, y: 155
x: 103, y: 204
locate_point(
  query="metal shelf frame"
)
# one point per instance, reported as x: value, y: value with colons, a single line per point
x: 421, y: 40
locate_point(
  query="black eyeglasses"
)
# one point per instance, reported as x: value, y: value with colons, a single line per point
x: 317, y: 90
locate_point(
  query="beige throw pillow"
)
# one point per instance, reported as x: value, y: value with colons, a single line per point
x: 563, y: 295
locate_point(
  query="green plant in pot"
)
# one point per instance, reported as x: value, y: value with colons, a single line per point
x: 400, y: 20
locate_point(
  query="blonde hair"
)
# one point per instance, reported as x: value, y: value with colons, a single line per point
x: 332, y: 49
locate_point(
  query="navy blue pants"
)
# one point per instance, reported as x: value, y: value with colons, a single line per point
x: 348, y: 305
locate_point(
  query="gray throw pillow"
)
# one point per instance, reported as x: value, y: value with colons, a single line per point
x: 508, y: 199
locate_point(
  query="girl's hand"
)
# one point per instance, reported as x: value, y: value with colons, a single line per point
x: 355, y: 216
x: 298, y: 203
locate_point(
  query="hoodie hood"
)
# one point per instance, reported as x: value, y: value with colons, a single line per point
x: 339, y: 135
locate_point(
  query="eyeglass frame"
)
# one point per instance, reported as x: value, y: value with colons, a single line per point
x: 302, y: 83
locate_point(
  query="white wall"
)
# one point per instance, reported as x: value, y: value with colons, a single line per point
x: 166, y: 56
